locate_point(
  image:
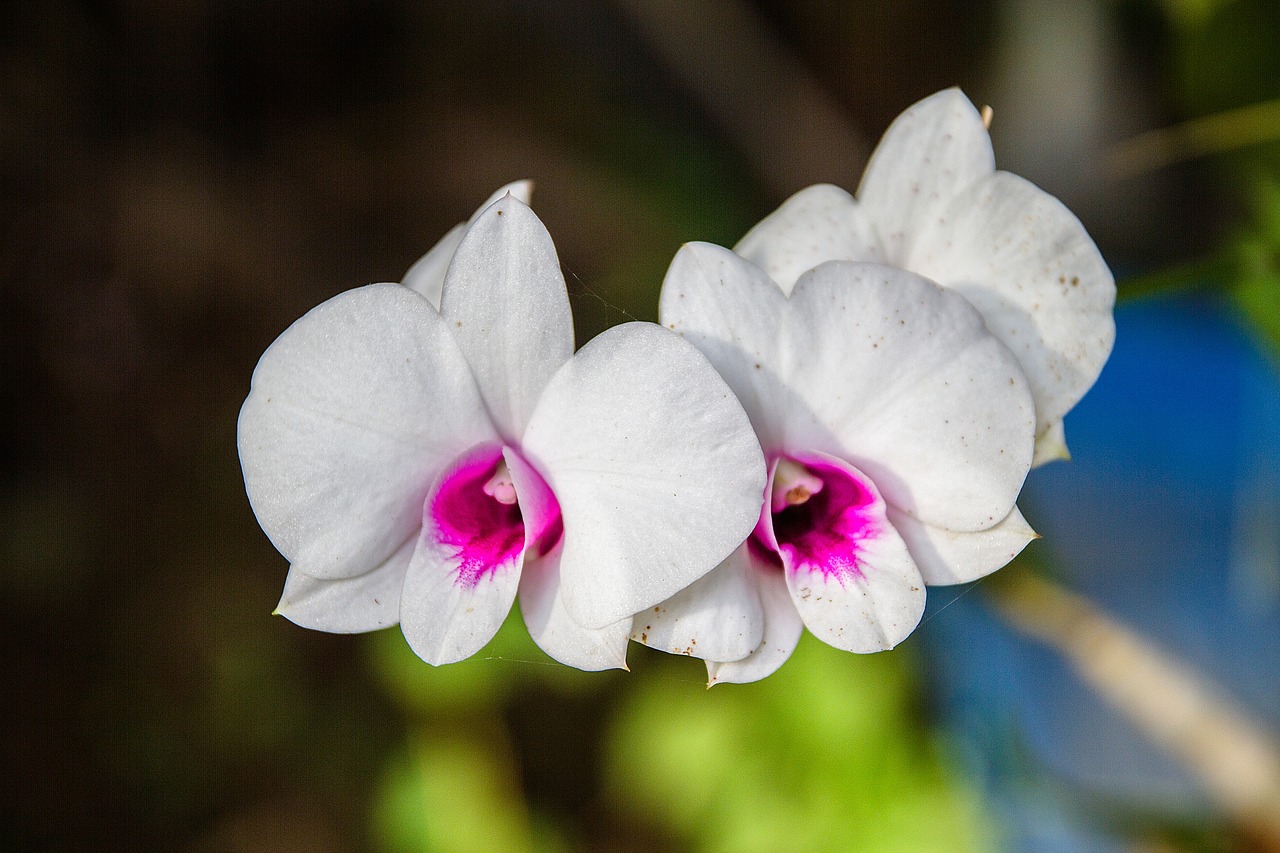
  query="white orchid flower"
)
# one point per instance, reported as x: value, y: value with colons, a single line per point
x: 932, y: 202
x: 898, y: 431
x: 421, y: 466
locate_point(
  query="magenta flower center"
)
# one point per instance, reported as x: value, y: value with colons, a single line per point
x: 818, y: 517
x: 475, y: 514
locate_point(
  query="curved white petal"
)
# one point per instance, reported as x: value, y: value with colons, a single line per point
x: 352, y: 412
x: 732, y: 312
x: 506, y: 304
x: 1029, y: 266
x: 426, y: 276
x: 555, y: 632
x: 462, y: 578
x: 850, y: 574
x: 1051, y: 445
x: 658, y: 473
x: 348, y: 605
x: 718, y: 617
x: 931, y: 152
x: 782, y: 628
x: 819, y: 223
x: 946, y: 556
x: 901, y: 378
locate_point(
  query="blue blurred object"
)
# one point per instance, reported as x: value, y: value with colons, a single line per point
x: 1168, y: 518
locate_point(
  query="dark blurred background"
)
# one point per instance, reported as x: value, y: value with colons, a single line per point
x: 181, y: 179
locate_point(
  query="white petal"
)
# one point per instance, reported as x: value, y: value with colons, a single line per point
x: 930, y: 153
x: 718, y: 617
x: 782, y: 628
x: 505, y: 302
x: 850, y: 574
x: 1028, y: 265
x: 901, y: 378
x: 1051, y: 445
x: 551, y: 627
x: 658, y: 473
x: 819, y: 223
x: 352, y: 412
x: 426, y: 276
x: 348, y: 605
x: 946, y: 556
x: 456, y: 593
x: 732, y: 312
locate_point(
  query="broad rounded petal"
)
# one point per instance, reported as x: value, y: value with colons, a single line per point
x: 348, y: 605
x: 465, y: 568
x: 782, y: 628
x: 555, y: 632
x: 426, y: 276
x: 1051, y: 445
x: 925, y: 159
x: 718, y: 617
x: 853, y: 582
x: 946, y: 556
x: 819, y: 223
x: 1029, y: 266
x: 732, y: 312
x: 352, y: 412
x: 506, y: 304
x: 655, y: 466
x: 901, y: 377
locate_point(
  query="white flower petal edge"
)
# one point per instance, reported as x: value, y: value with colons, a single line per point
x: 506, y: 304
x: 718, y: 617
x: 1051, y: 445
x: 948, y: 557
x: 336, y: 453
x: 655, y: 466
x: 931, y: 152
x: 871, y: 364
x: 426, y: 276
x: 819, y: 223
x: 556, y: 633
x: 782, y: 628
x: 366, y: 602
x: 1028, y: 265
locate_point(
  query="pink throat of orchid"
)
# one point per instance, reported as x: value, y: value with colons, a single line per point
x: 476, y: 514
x: 818, y: 517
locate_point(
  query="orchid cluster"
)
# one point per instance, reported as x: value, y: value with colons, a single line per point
x: 832, y: 416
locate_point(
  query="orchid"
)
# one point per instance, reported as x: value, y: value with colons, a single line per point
x: 422, y: 466
x: 898, y: 431
x: 931, y: 201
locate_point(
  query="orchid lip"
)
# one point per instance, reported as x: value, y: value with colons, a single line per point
x: 475, y: 513
x: 818, y: 517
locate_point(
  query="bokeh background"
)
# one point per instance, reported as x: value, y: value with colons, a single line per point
x: 181, y: 179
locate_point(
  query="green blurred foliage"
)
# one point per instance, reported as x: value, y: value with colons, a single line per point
x: 829, y: 753
x: 1223, y: 58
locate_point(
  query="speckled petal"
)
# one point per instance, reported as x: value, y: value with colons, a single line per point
x: 819, y: 223
x: 933, y: 151
x: 718, y: 617
x: 1028, y: 265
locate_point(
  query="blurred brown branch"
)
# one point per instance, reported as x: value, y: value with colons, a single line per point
x: 1235, y: 760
